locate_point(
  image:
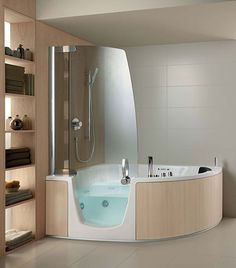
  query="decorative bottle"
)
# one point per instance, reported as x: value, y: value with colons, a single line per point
x: 21, y: 50
x: 8, y: 123
x: 26, y: 122
x: 16, y: 123
x: 28, y: 54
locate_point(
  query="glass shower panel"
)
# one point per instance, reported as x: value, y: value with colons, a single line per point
x: 102, y: 99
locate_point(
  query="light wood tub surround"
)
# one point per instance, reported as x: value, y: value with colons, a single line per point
x: 176, y: 208
x: 57, y: 208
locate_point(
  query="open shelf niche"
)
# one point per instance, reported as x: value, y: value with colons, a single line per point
x: 21, y: 215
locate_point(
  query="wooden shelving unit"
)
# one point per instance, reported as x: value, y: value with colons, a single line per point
x: 22, y: 32
x: 21, y: 16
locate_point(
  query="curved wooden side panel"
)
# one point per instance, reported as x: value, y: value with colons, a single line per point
x: 170, y: 209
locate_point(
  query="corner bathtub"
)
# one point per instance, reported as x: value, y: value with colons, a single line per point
x: 94, y: 205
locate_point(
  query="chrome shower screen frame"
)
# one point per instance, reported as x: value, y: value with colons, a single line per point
x: 52, y: 110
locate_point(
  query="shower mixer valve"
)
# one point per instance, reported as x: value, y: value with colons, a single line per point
x: 76, y: 123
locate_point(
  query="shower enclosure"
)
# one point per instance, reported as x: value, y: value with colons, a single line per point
x: 92, y: 128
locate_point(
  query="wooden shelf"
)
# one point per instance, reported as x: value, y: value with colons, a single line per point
x: 18, y: 62
x: 20, y: 203
x: 11, y: 95
x: 20, y: 167
x: 19, y: 131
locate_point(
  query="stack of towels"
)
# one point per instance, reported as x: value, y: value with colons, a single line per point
x: 15, y: 197
x: 15, y: 238
x: 14, y: 79
x: 17, y: 157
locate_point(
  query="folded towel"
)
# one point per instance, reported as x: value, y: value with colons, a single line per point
x: 15, y: 238
x: 14, y: 156
x: 18, y: 199
x: 17, y: 150
x: 18, y: 162
x: 18, y: 193
x: 16, y: 245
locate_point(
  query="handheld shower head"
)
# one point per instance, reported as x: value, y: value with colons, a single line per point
x: 94, y: 75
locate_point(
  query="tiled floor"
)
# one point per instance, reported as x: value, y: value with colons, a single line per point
x: 213, y: 249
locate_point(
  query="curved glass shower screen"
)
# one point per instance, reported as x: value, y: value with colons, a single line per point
x: 92, y: 108
x: 93, y: 127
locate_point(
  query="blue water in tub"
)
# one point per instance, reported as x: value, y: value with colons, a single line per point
x: 103, y: 204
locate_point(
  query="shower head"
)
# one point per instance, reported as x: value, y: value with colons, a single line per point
x: 91, y: 77
x: 94, y: 76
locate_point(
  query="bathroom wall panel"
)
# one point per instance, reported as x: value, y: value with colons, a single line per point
x: 155, y: 97
x: 147, y: 56
x: 199, y: 53
x: 152, y: 118
x: 155, y: 76
x: 153, y: 142
x: 200, y: 102
x: 200, y: 96
x: 193, y: 139
x: 195, y: 74
x: 193, y: 118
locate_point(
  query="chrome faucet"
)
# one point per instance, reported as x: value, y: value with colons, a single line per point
x: 125, y: 171
x: 150, y: 166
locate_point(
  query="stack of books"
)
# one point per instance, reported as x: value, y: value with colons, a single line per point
x: 14, y: 76
x: 29, y: 84
x: 17, y: 82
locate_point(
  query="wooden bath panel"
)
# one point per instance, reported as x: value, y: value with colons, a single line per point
x: 170, y: 209
x: 57, y: 208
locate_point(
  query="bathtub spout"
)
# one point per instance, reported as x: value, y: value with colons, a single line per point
x: 125, y: 171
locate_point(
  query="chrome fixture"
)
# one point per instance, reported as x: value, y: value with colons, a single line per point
x: 125, y: 171
x: 216, y: 161
x: 91, y: 126
x: 76, y: 123
x: 150, y: 166
x: 91, y: 81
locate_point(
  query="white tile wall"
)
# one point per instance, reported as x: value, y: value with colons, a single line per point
x: 185, y: 97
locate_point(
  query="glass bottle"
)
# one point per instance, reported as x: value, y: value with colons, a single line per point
x: 16, y: 123
x: 8, y: 123
x: 26, y: 122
